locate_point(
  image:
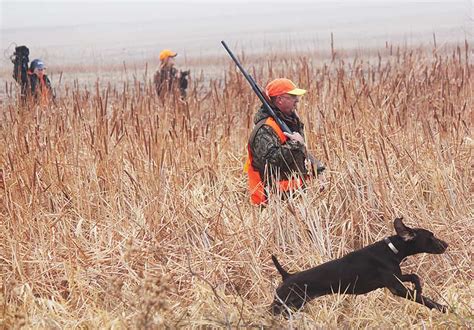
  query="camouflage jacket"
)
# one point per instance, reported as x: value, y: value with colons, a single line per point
x: 165, y: 79
x: 269, y: 153
x: 37, y: 86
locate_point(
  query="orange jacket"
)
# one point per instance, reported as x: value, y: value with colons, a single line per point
x: 40, y: 88
x: 256, y: 185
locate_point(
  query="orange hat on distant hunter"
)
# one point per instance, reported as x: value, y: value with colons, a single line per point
x: 165, y: 53
x: 283, y: 86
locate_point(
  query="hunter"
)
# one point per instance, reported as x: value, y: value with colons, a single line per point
x: 34, y: 83
x: 40, y: 85
x: 276, y: 159
x: 167, y: 78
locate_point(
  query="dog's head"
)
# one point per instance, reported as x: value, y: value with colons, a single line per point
x: 419, y: 240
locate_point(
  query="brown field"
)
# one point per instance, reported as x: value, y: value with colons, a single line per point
x: 121, y: 210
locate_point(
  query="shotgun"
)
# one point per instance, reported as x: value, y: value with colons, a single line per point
x: 284, y: 127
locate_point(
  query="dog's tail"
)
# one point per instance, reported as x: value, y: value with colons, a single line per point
x: 284, y: 274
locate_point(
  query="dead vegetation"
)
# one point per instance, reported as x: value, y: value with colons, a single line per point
x: 122, y: 210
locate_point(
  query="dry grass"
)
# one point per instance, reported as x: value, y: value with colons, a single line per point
x: 122, y: 210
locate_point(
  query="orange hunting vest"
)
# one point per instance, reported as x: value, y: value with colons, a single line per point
x: 256, y: 185
x: 44, y: 92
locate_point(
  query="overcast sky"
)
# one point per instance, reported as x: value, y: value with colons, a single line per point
x: 125, y: 28
x: 19, y: 13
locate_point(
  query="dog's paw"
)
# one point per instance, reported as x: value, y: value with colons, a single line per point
x: 439, y: 307
x: 434, y: 305
x: 442, y: 308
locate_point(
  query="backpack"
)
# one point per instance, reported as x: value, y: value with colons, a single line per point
x: 20, y: 64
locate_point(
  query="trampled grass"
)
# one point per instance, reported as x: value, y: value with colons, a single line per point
x: 123, y: 210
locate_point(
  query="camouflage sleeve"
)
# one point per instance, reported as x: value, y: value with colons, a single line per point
x: 174, y: 73
x: 267, y: 149
x: 33, y: 85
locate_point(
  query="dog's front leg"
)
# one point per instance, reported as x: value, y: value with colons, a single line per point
x: 413, y: 278
x: 399, y: 290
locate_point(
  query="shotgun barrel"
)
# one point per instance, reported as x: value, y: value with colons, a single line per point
x: 284, y: 127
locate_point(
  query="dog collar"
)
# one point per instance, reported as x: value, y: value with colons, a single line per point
x: 390, y: 245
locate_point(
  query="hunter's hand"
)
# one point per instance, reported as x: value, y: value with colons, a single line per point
x: 295, y: 136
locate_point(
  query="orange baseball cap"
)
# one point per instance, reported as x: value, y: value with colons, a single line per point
x: 165, y: 53
x: 283, y: 86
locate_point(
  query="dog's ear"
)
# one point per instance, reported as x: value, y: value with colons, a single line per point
x: 403, y: 231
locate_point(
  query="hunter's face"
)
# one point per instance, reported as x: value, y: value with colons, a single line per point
x: 287, y: 103
x: 170, y: 61
x: 39, y: 72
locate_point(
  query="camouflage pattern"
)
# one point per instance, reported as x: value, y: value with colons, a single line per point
x: 269, y: 154
x: 37, y: 87
x: 165, y: 79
